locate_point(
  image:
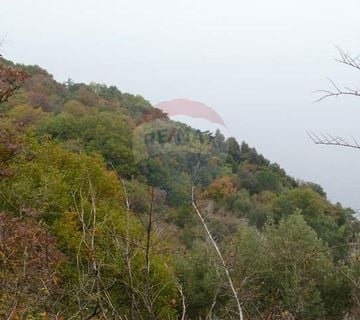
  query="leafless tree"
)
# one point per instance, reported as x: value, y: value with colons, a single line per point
x: 336, y: 91
x: 129, y: 254
x: 146, y: 294
x: 332, y: 140
x: 94, y: 299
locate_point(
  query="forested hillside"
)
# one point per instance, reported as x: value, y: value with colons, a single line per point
x: 97, y: 219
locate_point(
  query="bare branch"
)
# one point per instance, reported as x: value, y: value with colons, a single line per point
x: 347, y: 59
x: 337, y: 92
x: 181, y: 291
x: 219, y: 254
x: 330, y: 140
x: 353, y: 281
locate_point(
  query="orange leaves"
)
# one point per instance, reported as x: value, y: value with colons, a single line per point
x: 222, y: 188
x: 152, y: 115
x: 10, y: 81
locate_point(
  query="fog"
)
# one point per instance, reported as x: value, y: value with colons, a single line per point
x: 255, y: 62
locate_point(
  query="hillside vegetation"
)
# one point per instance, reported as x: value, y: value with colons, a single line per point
x: 97, y: 222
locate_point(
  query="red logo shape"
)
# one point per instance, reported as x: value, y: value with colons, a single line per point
x: 194, y: 109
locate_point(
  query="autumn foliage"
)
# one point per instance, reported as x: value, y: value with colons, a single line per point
x: 89, y: 232
x: 11, y: 80
x: 29, y: 267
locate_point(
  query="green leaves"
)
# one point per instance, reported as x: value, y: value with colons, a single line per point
x: 289, y: 267
x: 59, y: 144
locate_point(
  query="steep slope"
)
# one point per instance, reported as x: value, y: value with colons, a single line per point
x: 108, y: 179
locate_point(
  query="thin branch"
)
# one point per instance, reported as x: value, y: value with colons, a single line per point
x: 209, y: 316
x: 337, y: 92
x: 181, y: 291
x: 330, y: 140
x: 219, y: 254
x: 347, y: 59
x: 357, y: 285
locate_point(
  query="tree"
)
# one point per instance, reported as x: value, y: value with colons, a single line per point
x: 286, y: 272
x: 302, y: 268
x: 198, y: 275
x: 222, y: 188
x: 11, y: 80
x: 331, y: 223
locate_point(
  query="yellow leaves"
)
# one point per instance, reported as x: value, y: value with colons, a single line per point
x: 75, y: 108
x: 26, y: 114
x: 173, y: 303
x: 67, y: 229
x: 265, y: 198
x: 285, y: 314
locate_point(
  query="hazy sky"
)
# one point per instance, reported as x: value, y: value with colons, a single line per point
x: 255, y: 62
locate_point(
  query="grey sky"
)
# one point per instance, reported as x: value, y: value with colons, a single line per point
x: 255, y: 62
